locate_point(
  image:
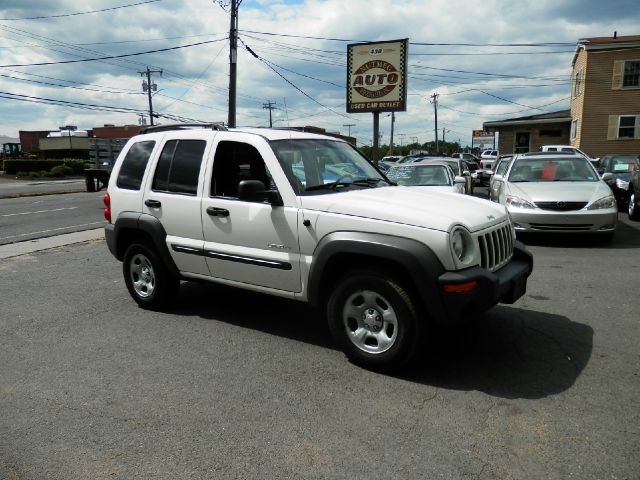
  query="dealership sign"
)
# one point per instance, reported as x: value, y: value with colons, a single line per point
x: 481, y: 137
x: 377, y: 76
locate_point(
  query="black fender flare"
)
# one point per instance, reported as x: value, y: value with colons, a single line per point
x: 140, y: 222
x: 416, y: 258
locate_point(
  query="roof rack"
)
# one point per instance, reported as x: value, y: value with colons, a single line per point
x: 183, y: 126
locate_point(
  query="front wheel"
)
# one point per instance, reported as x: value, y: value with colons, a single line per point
x: 634, y: 208
x: 149, y: 282
x: 374, y: 320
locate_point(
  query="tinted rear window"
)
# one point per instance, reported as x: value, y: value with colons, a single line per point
x: 178, y: 168
x: 134, y: 165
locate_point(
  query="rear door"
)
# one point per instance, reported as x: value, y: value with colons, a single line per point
x: 174, y: 196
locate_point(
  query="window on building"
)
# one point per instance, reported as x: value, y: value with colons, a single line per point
x: 577, y: 87
x: 627, y: 126
x: 631, y: 76
x: 574, y: 129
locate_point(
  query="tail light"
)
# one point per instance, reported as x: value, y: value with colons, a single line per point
x: 107, y: 207
x: 481, y: 165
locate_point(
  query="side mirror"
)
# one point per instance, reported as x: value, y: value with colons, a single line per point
x: 255, y: 191
x: 459, y: 179
x: 466, y: 173
x: 607, y: 176
x: 498, y: 178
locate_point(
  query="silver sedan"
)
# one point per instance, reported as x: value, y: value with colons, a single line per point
x: 556, y: 193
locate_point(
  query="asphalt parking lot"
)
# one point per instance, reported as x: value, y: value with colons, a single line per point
x: 230, y: 384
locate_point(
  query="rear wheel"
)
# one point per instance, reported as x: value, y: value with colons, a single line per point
x: 634, y: 207
x: 374, y: 320
x: 149, y: 282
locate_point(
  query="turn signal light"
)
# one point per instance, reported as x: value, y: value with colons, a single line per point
x: 461, y: 287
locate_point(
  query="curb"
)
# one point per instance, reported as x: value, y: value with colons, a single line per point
x: 30, y: 246
x: 38, y: 194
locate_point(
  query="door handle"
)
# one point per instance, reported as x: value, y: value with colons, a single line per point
x: 152, y: 203
x: 217, y: 212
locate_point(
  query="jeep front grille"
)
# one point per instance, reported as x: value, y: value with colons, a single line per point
x: 496, y: 247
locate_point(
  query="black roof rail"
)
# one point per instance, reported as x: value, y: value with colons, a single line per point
x: 182, y: 126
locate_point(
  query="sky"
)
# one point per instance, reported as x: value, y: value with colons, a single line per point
x: 66, y: 62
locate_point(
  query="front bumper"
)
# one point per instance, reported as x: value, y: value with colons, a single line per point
x: 587, y: 221
x: 505, y: 285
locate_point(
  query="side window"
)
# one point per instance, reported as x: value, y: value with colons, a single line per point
x: 179, y: 167
x: 134, y: 165
x: 234, y: 162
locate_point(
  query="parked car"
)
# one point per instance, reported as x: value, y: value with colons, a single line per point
x: 434, y: 176
x: 556, y: 192
x: 500, y: 169
x: 473, y: 168
x: 307, y: 217
x: 458, y: 168
x: 616, y: 172
x: 470, y: 157
x: 567, y: 149
x: 487, y: 160
x: 488, y: 167
x: 634, y: 191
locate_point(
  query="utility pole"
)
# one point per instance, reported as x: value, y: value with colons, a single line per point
x: 435, y: 107
x: 349, y: 125
x: 233, y: 61
x: 148, y: 86
x: 269, y: 106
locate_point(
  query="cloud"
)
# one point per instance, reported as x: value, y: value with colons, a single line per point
x: 305, y: 43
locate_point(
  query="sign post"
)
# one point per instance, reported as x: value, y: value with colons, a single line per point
x: 377, y: 80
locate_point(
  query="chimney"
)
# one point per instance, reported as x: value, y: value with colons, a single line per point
x: 615, y: 35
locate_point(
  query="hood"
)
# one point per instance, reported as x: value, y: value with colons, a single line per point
x: 559, y: 191
x: 421, y: 207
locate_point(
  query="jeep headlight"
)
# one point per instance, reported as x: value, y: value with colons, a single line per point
x: 605, y: 202
x: 518, y: 202
x: 461, y: 245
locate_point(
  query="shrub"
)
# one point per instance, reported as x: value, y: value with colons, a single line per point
x: 61, y: 171
x: 77, y: 165
x: 14, y: 165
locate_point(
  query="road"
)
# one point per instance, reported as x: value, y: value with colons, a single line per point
x: 232, y: 385
x: 26, y: 218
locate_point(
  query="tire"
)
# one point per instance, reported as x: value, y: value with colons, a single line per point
x: 634, y: 207
x: 147, y: 279
x: 374, y: 320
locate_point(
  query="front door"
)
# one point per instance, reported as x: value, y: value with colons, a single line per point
x: 250, y: 242
x: 522, y: 142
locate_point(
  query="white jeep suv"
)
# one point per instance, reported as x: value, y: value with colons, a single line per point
x: 309, y: 218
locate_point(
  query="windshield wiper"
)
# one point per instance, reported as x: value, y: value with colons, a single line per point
x: 366, y: 182
x: 327, y: 186
x: 369, y: 182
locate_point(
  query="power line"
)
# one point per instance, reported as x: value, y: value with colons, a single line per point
x: 111, y: 57
x: 78, y: 13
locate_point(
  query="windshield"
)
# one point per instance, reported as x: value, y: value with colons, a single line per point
x: 575, y: 169
x: 622, y: 164
x: 431, y: 175
x: 321, y: 165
